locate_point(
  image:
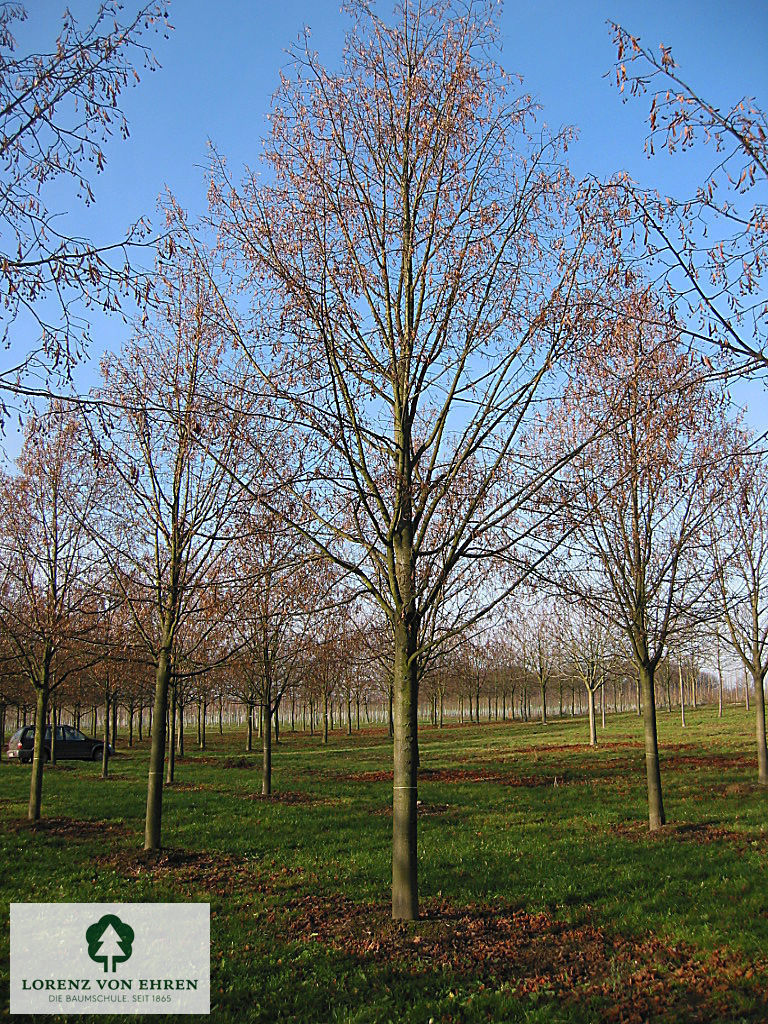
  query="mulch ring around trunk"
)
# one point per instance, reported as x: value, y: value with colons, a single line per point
x: 635, y: 980
x: 459, y: 775
x: 699, y: 833
x: 293, y: 797
x: 69, y: 828
x: 215, y: 873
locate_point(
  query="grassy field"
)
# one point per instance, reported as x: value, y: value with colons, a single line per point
x: 544, y: 898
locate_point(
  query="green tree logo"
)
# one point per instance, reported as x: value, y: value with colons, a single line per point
x: 109, y: 939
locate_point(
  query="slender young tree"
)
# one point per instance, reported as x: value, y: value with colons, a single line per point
x: 740, y: 551
x: 161, y: 442
x: 588, y: 653
x: 46, y: 612
x: 638, y: 499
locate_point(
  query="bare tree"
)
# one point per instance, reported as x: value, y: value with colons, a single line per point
x: 57, y: 110
x: 588, y: 640
x: 416, y: 261
x: 46, y: 607
x: 161, y: 441
x: 638, y: 499
x: 740, y: 552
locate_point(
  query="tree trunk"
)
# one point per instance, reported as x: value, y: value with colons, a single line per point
x: 325, y: 717
x: 114, y: 723
x: 543, y: 687
x: 180, y: 740
x: 405, y: 899
x: 249, y: 741
x: 656, y: 816
x: 172, y: 737
x: 38, y: 756
x: 266, y: 750
x: 52, y: 759
x: 682, y: 694
x: 592, y: 722
x: 157, y: 752
x: 105, y: 749
x: 762, y: 753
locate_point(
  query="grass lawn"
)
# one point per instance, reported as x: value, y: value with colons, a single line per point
x: 544, y: 897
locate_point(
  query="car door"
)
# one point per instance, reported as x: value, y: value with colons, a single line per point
x: 63, y: 746
x: 76, y: 744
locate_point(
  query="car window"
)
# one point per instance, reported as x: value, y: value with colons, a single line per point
x: 59, y: 733
x: 16, y: 736
x: 79, y: 736
x: 73, y: 735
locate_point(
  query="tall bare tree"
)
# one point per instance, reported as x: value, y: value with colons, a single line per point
x: 415, y: 260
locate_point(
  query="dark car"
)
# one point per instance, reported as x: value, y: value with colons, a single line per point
x: 71, y: 745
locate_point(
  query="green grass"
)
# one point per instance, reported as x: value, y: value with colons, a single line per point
x: 524, y: 823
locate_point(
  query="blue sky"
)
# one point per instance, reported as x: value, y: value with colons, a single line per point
x: 220, y: 67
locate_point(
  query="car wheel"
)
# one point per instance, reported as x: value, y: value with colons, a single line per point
x: 97, y: 753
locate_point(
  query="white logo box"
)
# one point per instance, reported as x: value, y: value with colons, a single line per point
x: 120, y: 958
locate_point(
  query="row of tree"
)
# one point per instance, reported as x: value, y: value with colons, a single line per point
x: 414, y: 369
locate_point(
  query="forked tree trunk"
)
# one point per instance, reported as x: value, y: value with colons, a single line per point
x: 38, y: 756
x: 405, y: 896
x: 154, y: 817
x: 656, y: 817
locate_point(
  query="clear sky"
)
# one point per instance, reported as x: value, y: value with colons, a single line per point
x: 220, y: 67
